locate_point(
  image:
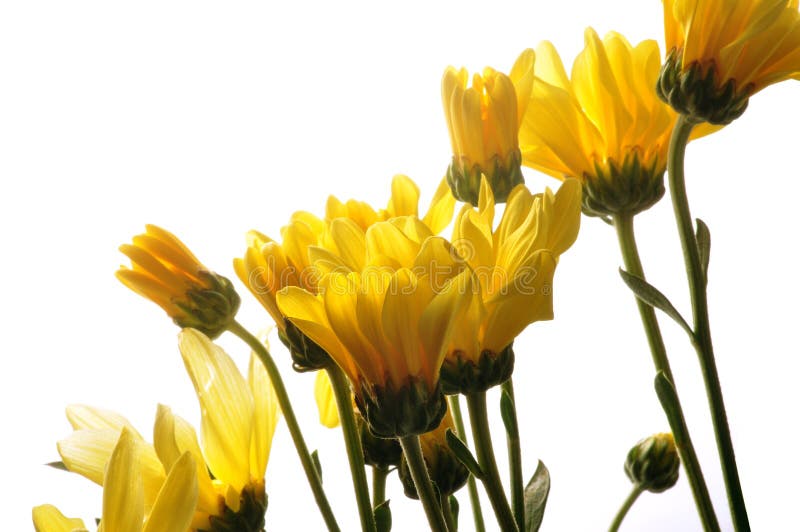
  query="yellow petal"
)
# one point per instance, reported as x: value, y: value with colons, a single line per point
x: 123, y: 493
x: 265, y: 417
x: 440, y: 212
x: 177, y: 499
x: 88, y: 417
x: 326, y: 402
x: 405, y: 197
x: 47, y: 518
x: 225, y: 405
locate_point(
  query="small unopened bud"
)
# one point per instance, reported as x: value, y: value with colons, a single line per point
x: 653, y: 463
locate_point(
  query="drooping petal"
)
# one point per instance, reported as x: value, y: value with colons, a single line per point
x: 265, y: 418
x: 326, y: 402
x: 47, y: 518
x: 123, y: 492
x: 89, y: 417
x: 177, y: 499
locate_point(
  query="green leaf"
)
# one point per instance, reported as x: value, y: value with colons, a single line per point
x: 536, y: 493
x: 453, y: 502
x: 383, y: 517
x: 650, y: 295
x: 703, y: 237
x: 317, y: 464
x: 463, y: 453
x: 58, y: 465
x: 508, y: 415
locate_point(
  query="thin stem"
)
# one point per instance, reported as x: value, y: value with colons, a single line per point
x: 623, y: 511
x: 515, y: 460
x: 633, y: 265
x: 476, y: 403
x: 291, y: 422
x: 472, y: 487
x: 702, y: 329
x: 352, y: 442
x: 422, y: 481
x: 449, y: 518
x: 379, y: 475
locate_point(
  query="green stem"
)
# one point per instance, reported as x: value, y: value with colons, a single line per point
x: 379, y: 474
x: 677, y: 423
x: 352, y: 442
x: 291, y: 422
x: 623, y: 511
x: 515, y: 460
x: 472, y: 487
x: 476, y: 403
x: 702, y: 329
x: 633, y: 264
x: 422, y: 481
x: 447, y: 512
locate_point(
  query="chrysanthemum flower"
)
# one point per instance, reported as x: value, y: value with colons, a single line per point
x: 514, y: 264
x: 164, y: 271
x: 719, y: 53
x: 269, y: 266
x: 125, y: 493
x: 384, y: 310
x: 604, y: 126
x: 483, y: 121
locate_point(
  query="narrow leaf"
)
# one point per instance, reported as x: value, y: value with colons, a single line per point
x: 383, y: 517
x: 317, y: 464
x: 463, y: 453
x: 57, y: 465
x: 703, y: 237
x: 507, y: 413
x: 650, y: 295
x: 536, y: 493
x: 453, y: 502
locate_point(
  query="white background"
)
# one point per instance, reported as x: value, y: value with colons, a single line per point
x: 211, y: 119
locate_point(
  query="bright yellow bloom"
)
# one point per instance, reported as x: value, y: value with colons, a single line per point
x: 326, y: 402
x: 268, y: 266
x: 164, y: 271
x: 721, y: 52
x: 605, y: 126
x: 384, y: 310
x: 514, y: 264
x: 483, y: 121
x: 124, y: 495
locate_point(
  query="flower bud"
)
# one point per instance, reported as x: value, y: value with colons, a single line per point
x: 378, y: 452
x: 653, y: 463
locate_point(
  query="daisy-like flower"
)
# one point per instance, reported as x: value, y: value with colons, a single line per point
x: 238, y: 421
x: 483, y: 121
x: 384, y: 310
x: 124, y: 495
x: 604, y: 126
x: 514, y: 264
x: 269, y: 266
x: 164, y: 271
x: 719, y: 53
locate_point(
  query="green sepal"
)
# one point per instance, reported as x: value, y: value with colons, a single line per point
x: 461, y: 375
x: 58, y: 465
x: 317, y: 464
x: 703, y: 237
x: 536, y: 493
x: 463, y: 454
x: 653, y: 297
x: 507, y: 412
x: 383, y: 517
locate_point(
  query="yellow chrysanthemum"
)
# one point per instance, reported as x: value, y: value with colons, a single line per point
x: 721, y: 52
x: 267, y: 266
x: 125, y: 493
x: 164, y: 271
x: 384, y: 310
x: 605, y: 126
x: 483, y: 121
x: 514, y: 264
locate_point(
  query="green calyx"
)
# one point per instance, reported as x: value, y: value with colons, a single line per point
x: 249, y: 518
x: 653, y: 463
x: 628, y: 188
x: 409, y: 410
x: 306, y: 354
x: 464, y: 177
x: 210, y: 308
x: 378, y: 452
x: 460, y: 375
x: 696, y: 92
x: 445, y: 470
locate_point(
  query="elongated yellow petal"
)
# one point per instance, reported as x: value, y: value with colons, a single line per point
x: 265, y: 416
x: 226, y: 407
x: 47, y: 518
x: 440, y: 212
x: 89, y: 417
x: 405, y: 197
x: 176, y: 502
x: 326, y: 402
x: 123, y: 493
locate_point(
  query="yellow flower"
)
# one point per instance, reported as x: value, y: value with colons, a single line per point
x: 267, y: 266
x: 384, y: 310
x: 514, y: 265
x: 165, y: 272
x: 483, y: 121
x: 124, y: 495
x: 605, y: 126
x: 721, y: 52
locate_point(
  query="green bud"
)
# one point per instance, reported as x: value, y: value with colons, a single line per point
x: 653, y: 463
x: 464, y: 177
x: 378, y: 452
x: 209, y: 308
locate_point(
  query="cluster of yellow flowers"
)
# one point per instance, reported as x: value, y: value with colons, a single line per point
x: 410, y: 316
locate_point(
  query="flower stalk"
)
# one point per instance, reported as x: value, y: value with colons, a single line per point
x: 701, y: 338
x: 419, y: 472
x: 514, y: 457
x: 472, y: 487
x: 379, y: 475
x: 626, y: 506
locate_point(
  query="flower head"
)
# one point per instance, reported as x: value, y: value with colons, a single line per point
x: 384, y: 309
x: 653, y: 463
x: 514, y: 264
x: 604, y: 126
x: 164, y: 271
x: 720, y: 52
x: 483, y: 121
